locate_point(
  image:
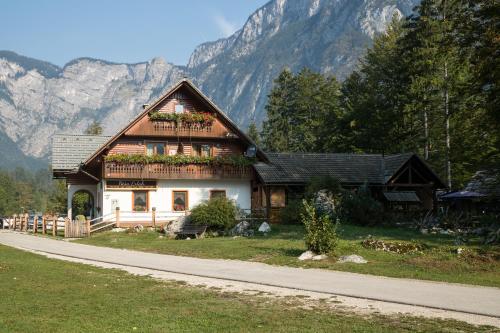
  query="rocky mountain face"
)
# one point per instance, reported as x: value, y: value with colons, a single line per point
x: 38, y: 99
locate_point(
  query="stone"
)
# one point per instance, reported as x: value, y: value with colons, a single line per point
x: 240, y: 228
x: 265, y: 227
x: 460, y: 250
x: 188, y: 238
x: 354, y: 258
x: 308, y: 255
x: 324, y: 202
x: 320, y: 257
x: 118, y: 229
x: 138, y: 228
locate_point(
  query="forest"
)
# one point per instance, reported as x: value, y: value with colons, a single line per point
x: 429, y: 85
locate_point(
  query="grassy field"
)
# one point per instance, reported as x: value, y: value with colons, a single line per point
x: 46, y: 295
x: 284, y: 244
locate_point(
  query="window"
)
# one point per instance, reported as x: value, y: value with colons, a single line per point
x: 140, y: 201
x: 217, y: 194
x: 155, y: 148
x: 202, y: 150
x: 179, y: 108
x: 179, y: 201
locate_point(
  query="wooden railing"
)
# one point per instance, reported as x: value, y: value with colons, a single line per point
x: 162, y: 171
x: 170, y: 128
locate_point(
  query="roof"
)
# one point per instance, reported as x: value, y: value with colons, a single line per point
x: 461, y: 195
x: 182, y: 83
x: 486, y: 182
x: 69, y: 150
x: 402, y: 196
x: 298, y: 168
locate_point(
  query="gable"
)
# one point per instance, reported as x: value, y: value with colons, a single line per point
x: 191, y: 106
x: 199, y: 100
x: 414, y: 171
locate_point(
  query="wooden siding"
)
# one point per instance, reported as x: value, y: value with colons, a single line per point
x: 139, y: 147
x: 146, y: 127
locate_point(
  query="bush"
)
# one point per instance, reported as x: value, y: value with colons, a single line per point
x: 319, y: 183
x: 321, y: 233
x: 291, y: 213
x: 360, y: 208
x: 217, y: 213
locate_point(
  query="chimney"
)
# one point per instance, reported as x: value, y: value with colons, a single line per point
x: 145, y: 106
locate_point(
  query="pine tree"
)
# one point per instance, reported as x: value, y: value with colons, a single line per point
x: 253, y: 133
x: 94, y: 128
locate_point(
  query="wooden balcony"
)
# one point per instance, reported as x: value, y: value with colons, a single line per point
x: 114, y: 170
x: 170, y: 128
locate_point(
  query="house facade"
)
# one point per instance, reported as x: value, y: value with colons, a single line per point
x: 183, y: 150
x: 179, y: 152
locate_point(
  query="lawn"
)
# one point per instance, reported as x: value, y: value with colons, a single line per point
x: 439, y: 262
x: 47, y: 295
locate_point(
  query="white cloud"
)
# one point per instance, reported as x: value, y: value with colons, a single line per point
x: 226, y: 28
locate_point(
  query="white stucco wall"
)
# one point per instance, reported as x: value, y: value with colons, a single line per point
x: 198, y: 191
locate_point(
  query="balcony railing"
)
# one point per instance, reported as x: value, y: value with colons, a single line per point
x: 113, y: 170
x: 186, y: 129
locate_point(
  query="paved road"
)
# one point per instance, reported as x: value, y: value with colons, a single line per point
x: 454, y: 297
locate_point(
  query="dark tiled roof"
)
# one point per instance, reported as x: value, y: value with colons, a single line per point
x: 69, y: 150
x: 347, y: 168
x: 486, y: 183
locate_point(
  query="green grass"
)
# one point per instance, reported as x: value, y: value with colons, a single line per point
x: 47, y: 295
x: 285, y: 243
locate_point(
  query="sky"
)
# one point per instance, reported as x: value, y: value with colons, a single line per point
x: 119, y: 31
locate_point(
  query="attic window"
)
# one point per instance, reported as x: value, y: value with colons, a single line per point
x: 179, y: 108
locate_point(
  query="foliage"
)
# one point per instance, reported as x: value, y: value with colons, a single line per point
x: 23, y: 191
x: 360, y: 208
x: 395, y: 247
x: 318, y: 183
x: 94, y: 129
x: 290, y: 214
x: 81, y: 204
x: 203, y: 118
x: 235, y: 160
x: 217, y: 213
x: 253, y: 133
x: 320, y: 231
x: 298, y: 109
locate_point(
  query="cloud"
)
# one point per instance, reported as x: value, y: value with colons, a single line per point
x: 226, y: 28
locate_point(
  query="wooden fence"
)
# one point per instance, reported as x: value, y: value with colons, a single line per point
x: 49, y: 224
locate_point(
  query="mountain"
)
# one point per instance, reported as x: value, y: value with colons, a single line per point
x: 38, y: 99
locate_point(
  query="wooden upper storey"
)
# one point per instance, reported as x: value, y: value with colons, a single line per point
x: 181, y: 104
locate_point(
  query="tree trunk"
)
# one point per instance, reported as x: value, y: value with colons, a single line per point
x: 447, y: 125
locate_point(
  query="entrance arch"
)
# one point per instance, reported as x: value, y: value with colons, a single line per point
x: 82, y: 203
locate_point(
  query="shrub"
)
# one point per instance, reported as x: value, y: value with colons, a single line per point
x: 321, y: 233
x: 291, y: 213
x: 360, y: 208
x: 319, y: 183
x: 217, y: 213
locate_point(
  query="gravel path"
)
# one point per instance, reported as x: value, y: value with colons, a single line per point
x: 474, y: 304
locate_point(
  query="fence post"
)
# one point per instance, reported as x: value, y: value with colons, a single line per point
x: 117, y: 217
x: 66, y: 227
x: 54, y: 225
x: 44, y: 224
x: 153, y: 213
x: 26, y: 222
x: 35, y: 224
x: 15, y: 222
x: 88, y: 227
x: 21, y: 222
